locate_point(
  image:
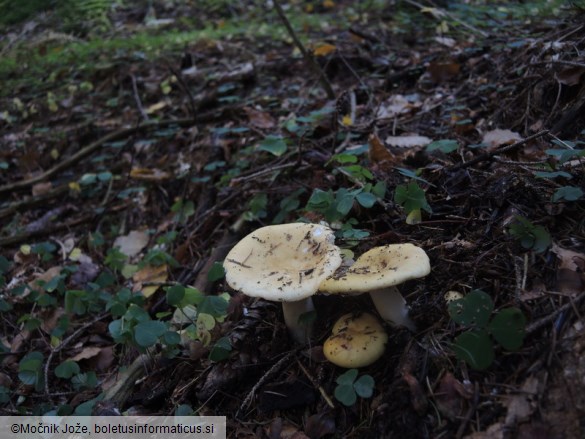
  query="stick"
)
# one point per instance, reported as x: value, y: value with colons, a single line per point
x: 489, y: 155
x: 89, y: 149
x: 308, y: 57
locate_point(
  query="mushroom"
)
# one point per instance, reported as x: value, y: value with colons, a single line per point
x: 356, y: 341
x: 285, y: 263
x: 377, y: 272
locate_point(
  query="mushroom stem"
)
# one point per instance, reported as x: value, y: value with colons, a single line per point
x: 392, y: 307
x: 300, y: 331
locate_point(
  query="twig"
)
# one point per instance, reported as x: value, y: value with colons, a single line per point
x: 185, y: 87
x: 64, y: 343
x: 489, y: 155
x: 89, y: 149
x: 316, y: 384
x: 275, y: 368
x: 470, y: 412
x: 558, y: 61
x: 549, y: 318
x: 450, y: 16
x: 137, y: 98
x: 26, y: 236
x: 308, y: 57
x: 237, y: 180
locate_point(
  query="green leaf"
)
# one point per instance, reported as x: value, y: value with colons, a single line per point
x: 347, y: 377
x: 104, y: 176
x: 473, y: 310
x: 531, y: 237
x: 215, y: 306
x: 568, y: 193
x: 412, y: 174
x: 192, y: 297
x: 320, y: 199
x: 366, y: 199
x: 147, y: 333
x: 175, y: 294
x: 5, y: 265
x: 30, y: 369
x: 411, y: 197
x: 274, y: 145
x: 344, y: 158
x: 445, y: 145
x: 67, y: 369
x: 220, y: 350
x: 206, y: 321
x: 184, y: 410
x: 171, y: 338
x: 564, y: 155
x: 4, y: 394
x: 364, y: 386
x: 358, y: 172
x: 84, y: 380
x: 345, y: 394
x: 475, y: 348
x: 507, y: 328
x: 216, y: 272
x: 379, y: 189
x: 543, y: 174
x: 344, y: 200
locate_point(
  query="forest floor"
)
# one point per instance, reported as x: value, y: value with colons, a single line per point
x: 132, y: 163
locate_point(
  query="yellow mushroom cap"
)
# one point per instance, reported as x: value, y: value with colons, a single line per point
x: 380, y: 267
x: 285, y: 262
x: 356, y: 341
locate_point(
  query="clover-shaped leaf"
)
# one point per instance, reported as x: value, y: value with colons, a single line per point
x: 475, y: 348
x: 348, y: 388
x: 507, y: 328
x: 473, y: 310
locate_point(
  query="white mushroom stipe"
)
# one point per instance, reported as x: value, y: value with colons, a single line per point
x: 392, y: 307
x: 293, y: 312
x: 284, y: 263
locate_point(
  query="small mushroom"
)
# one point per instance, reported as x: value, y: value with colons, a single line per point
x: 377, y: 272
x: 356, y: 341
x: 285, y: 263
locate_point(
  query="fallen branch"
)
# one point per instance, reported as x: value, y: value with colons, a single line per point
x: 91, y: 148
x: 489, y: 155
x: 27, y: 236
x: 308, y: 57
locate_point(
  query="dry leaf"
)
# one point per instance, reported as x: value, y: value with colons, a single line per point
x: 571, y: 75
x: 132, y: 243
x: 498, y: 137
x: 451, y: 395
x: 259, y: 119
x: 147, y: 174
x: 569, y: 259
x: 41, y: 279
x: 395, y: 105
x: 569, y: 277
x: 87, y: 352
x: 494, y: 431
x: 149, y: 274
x: 521, y: 406
x: 446, y: 41
x: 443, y: 71
x: 324, y: 49
x: 379, y: 154
x: 155, y: 107
x: 41, y: 188
x: 407, y: 141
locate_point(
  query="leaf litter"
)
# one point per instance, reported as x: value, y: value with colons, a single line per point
x: 150, y: 133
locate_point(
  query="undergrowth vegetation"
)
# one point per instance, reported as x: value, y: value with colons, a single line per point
x: 141, y: 140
